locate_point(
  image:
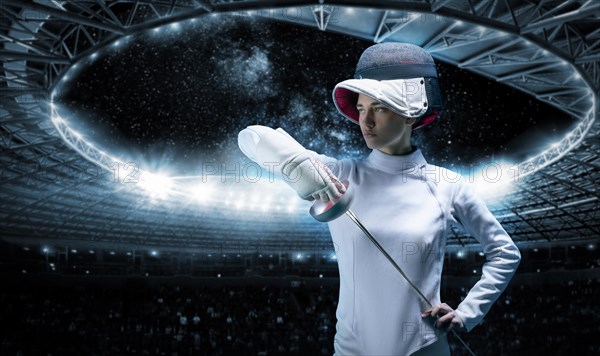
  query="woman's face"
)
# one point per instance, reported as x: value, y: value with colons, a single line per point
x: 382, y: 128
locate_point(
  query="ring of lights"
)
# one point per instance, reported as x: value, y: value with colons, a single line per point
x: 177, y: 186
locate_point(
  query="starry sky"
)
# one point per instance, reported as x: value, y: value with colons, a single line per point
x: 179, y: 96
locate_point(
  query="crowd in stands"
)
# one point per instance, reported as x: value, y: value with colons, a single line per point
x: 558, y: 318
x: 543, y: 319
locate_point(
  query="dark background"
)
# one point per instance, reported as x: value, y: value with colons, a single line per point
x: 177, y: 97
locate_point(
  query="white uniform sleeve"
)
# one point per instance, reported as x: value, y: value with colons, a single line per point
x: 502, y: 255
x: 281, y: 154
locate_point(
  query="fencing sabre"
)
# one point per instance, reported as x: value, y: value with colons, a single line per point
x: 327, y: 211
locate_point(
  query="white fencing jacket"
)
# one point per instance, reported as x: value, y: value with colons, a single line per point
x: 407, y: 204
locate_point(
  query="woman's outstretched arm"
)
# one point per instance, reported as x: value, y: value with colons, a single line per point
x: 281, y: 154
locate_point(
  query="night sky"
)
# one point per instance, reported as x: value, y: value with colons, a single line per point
x: 179, y: 96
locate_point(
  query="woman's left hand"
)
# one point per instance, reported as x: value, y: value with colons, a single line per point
x: 446, y: 317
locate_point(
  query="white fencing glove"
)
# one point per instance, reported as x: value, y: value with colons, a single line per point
x: 299, y: 167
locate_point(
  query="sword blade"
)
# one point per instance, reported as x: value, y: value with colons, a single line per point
x: 368, y: 234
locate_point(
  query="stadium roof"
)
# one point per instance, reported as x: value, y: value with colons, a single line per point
x: 53, y: 188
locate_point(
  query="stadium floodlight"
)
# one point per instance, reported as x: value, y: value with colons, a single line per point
x: 255, y: 197
x: 492, y: 189
x: 290, y: 204
x: 495, y: 180
x: 203, y: 192
x: 156, y: 185
x: 267, y: 203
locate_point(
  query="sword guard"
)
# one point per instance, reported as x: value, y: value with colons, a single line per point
x: 331, y: 210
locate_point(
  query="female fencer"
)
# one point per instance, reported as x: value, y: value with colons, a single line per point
x: 405, y: 201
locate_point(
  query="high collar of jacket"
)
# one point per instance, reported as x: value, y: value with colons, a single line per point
x: 397, y: 163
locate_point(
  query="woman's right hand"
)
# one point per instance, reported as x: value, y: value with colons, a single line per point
x: 312, y: 179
